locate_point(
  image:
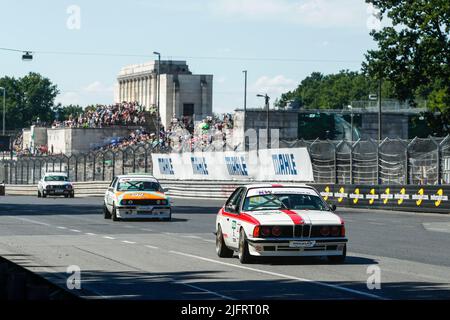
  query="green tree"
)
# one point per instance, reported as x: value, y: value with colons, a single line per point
x: 27, y: 99
x: 414, y: 52
x: 333, y: 91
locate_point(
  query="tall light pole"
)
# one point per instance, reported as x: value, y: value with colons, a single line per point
x: 351, y: 119
x: 266, y: 101
x: 4, y: 109
x: 245, y: 96
x: 157, y: 94
x: 379, y: 110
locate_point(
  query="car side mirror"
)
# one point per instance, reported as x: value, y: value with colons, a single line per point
x: 232, y: 208
x: 165, y: 190
x: 111, y: 189
x: 333, y: 207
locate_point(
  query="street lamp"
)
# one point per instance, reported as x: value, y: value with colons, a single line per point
x: 157, y: 94
x: 4, y: 108
x: 266, y: 100
x: 245, y: 95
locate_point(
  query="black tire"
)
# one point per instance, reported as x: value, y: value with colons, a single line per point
x: 243, y: 252
x: 338, y: 259
x: 221, y: 248
x: 106, y: 213
x: 66, y: 196
x: 39, y: 194
x: 72, y: 195
x: 44, y: 195
x: 114, y: 214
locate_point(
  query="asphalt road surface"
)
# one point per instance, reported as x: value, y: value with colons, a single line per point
x: 177, y: 260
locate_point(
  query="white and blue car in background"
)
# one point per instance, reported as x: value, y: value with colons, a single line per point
x: 55, y: 184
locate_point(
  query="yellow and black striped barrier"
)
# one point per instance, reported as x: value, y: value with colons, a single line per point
x: 392, y: 197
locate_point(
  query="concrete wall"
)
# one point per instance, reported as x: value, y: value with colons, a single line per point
x: 285, y: 121
x: 40, y: 137
x: 176, y: 90
x: 393, y: 125
x: 80, y: 140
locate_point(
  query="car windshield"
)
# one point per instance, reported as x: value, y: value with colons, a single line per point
x: 56, y: 178
x: 290, y: 201
x: 138, y: 185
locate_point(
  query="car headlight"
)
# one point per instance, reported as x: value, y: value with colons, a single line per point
x: 130, y: 201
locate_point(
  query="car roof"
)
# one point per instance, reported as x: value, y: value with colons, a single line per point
x: 55, y: 174
x: 277, y: 185
x: 144, y: 176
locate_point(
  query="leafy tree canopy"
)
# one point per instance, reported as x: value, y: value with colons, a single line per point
x: 414, y: 52
x: 27, y: 99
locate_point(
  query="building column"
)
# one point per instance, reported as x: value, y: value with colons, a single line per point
x: 155, y: 88
x: 146, y: 92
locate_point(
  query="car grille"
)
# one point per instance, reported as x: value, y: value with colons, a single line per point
x: 146, y: 202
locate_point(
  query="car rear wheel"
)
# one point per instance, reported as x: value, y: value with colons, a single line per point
x: 106, y: 213
x: 39, y: 194
x: 66, y: 196
x: 243, y: 253
x: 339, y: 259
x: 221, y: 248
x: 72, y: 195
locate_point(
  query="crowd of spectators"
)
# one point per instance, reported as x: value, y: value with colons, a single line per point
x: 181, y: 133
x: 100, y: 116
x: 136, y: 138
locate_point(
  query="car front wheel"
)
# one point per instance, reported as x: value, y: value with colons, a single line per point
x: 339, y: 259
x: 243, y: 253
x: 106, y: 213
x: 114, y: 214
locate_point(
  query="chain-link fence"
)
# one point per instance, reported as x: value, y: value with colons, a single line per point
x: 365, y: 162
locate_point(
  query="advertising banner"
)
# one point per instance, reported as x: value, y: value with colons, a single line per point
x: 264, y: 165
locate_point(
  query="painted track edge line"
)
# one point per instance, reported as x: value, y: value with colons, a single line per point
x: 361, y: 293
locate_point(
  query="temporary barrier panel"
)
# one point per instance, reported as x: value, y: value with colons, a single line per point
x: 264, y: 165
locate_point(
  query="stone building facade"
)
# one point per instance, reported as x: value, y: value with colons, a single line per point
x: 181, y: 92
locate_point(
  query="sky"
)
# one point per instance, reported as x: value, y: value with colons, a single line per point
x: 279, y: 42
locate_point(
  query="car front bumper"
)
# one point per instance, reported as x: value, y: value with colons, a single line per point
x: 58, y: 192
x: 290, y: 248
x: 137, y: 212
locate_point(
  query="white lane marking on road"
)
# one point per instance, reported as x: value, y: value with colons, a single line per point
x: 62, y: 228
x: 151, y: 247
x: 207, y: 240
x: 129, y: 242
x: 207, y: 291
x: 362, y: 293
x: 90, y: 234
x: 74, y: 230
x: 192, y: 237
x: 108, y: 237
x: 32, y: 221
x: 146, y: 229
x: 377, y: 223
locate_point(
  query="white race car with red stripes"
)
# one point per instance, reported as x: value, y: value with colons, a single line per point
x: 279, y: 220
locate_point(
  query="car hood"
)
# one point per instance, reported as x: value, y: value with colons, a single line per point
x: 140, y: 195
x: 290, y: 217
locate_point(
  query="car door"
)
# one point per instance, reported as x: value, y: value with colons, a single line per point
x: 230, y: 218
x: 109, y: 195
